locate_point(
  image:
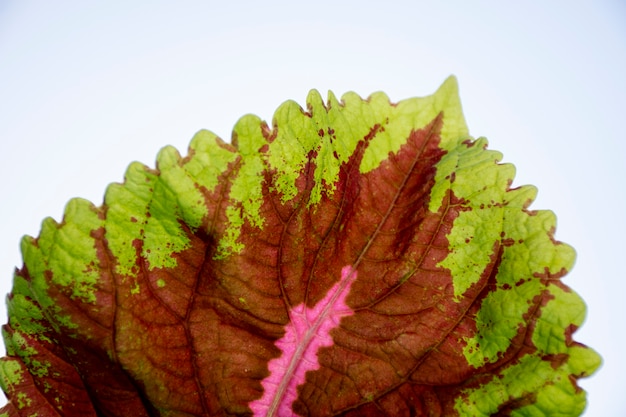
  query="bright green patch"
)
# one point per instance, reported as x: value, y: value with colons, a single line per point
x: 25, y: 315
x: 493, y: 220
x: 69, y: 250
x: 64, y: 255
x: 526, y: 378
x: 246, y: 193
x: 11, y: 373
x: 564, y: 310
x: 144, y: 214
x: 333, y: 131
x: 472, y: 174
x: 414, y: 114
x: 526, y: 258
x: 209, y: 159
x: 497, y: 322
x: 547, y: 385
x: 21, y: 347
x: 324, y: 133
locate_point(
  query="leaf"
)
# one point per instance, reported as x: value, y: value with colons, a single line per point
x: 358, y: 258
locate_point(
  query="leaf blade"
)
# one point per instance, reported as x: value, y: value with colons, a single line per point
x: 184, y: 289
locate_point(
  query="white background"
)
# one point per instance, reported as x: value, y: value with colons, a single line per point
x: 86, y: 88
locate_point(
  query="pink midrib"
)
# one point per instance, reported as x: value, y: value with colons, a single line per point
x: 336, y: 301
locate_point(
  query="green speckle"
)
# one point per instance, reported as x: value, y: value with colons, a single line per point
x: 136, y: 289
x: 160, y: 283
x: 228, y: 243
x: 23, y: 400
x: 39, y: 369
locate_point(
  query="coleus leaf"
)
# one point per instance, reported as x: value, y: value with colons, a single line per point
x: 358, y: 258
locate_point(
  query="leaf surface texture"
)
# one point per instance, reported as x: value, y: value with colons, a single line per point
x: 357, y: 258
